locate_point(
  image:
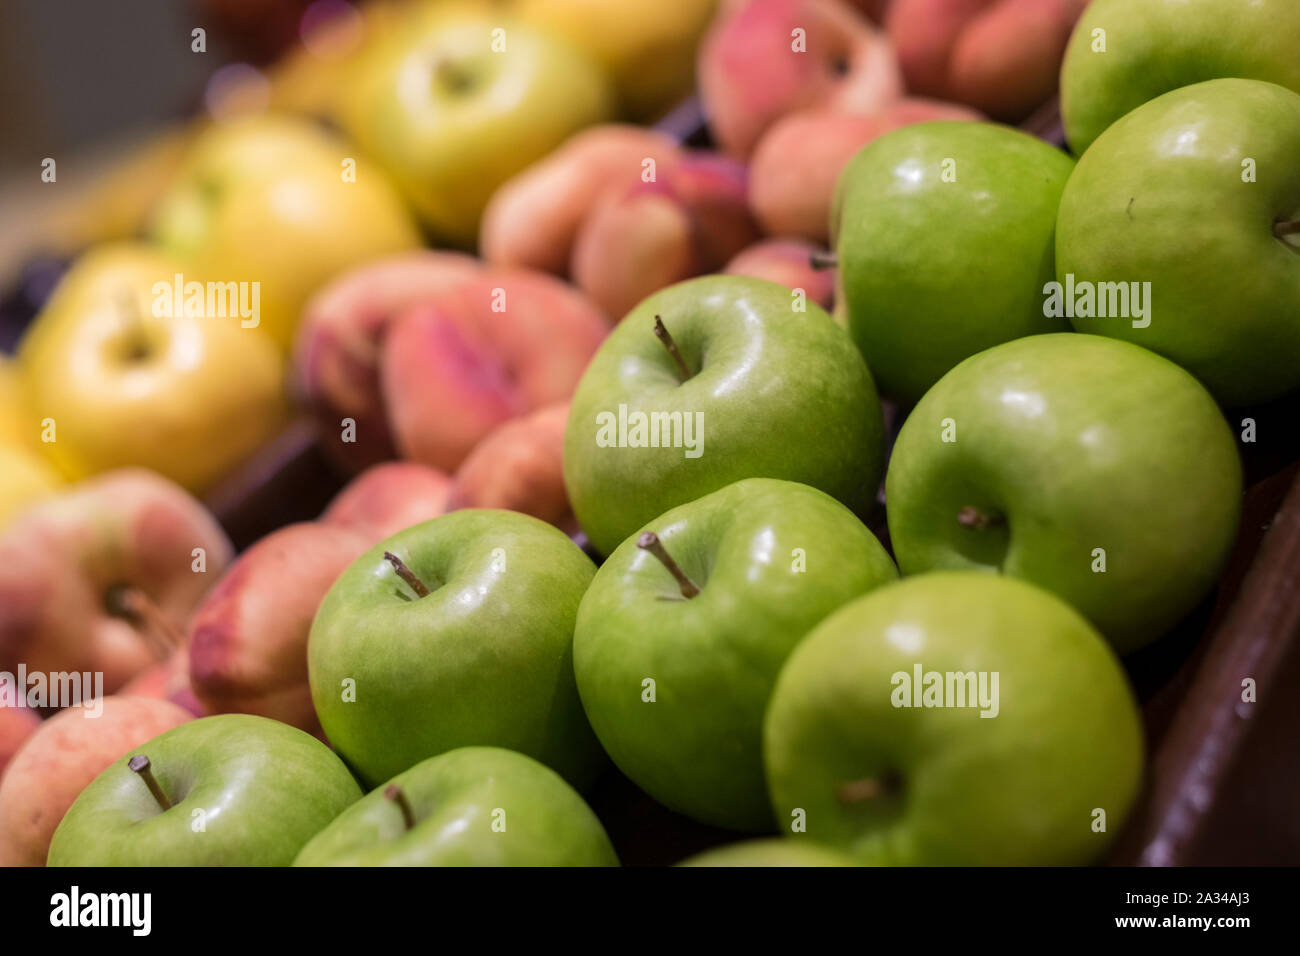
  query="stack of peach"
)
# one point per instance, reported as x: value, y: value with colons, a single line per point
x: 441, y: 380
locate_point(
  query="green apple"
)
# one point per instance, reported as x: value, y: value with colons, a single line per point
x: 943, y: 233
x: 1020, y: 744
x: 773, y: 851
x: 710, y: 381
x: 1125, y: 52
x: 475, y: 806
x: 1192, y: 203
x: 458, y: 101
x: 230, y: 790
x: 272, y: 200
x: 675, y: 676
x: 452, y: 633
x: 1089, y: 466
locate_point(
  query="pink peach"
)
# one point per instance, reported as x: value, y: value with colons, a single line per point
x: 761, y: 60
x: 60, y: 760
x: 248, y: 639
x: 789, y: 263
x: 384, y: 499
x: 519, y: 467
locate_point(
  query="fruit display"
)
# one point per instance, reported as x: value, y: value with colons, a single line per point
x: 711, y: 433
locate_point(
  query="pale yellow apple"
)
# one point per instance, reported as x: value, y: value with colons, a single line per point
x: 16, y: 424
x: 279, y: 201
x: 460, y: 99
x: 115, y: 380
x: 647, y: 46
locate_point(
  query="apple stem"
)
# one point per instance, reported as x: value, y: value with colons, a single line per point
x: 451, y: 75
x: 1286, y: 227
x: 406, y: 574
x: 395, y: 794
x: 146, y: 617
x: 661, y: 332
x: 869, y: 788
x: 972, y: 517
x: 650, y: 542
x: 134, y: 327
x: 821, y: 260
x: 140, y: 765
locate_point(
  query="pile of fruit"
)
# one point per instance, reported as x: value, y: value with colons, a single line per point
x: 623, y: 493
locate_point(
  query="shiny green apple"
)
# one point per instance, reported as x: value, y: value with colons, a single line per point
x: 1089, y: 466
x: 1019, y: 745
x: 482, y: 657
x: 744, y: 379
x: 242, y: 791
x: 943, y: 233
x: 474, y: 806
x: 1191, y: 205
x: 1125, y: 52
x: 773, y: 851
x: 675, y: 686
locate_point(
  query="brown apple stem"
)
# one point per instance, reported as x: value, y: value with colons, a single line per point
x: 138, y: 349
x: 146, y: 617
x: 821, y: 260
x: 661, y: 332
x: 406, y: 574
x: 140, y: 765
x: 972, y: 517
x: 395, y: 794
x: 650, y: 542
x: 1286, y: 227
x: 869, y: 788
x: 451, y: 75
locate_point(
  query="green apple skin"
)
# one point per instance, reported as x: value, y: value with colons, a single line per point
x: 1019, y: 789
x: 783, y: 394
x: 451, y: 120
x: 1154, y: 46
x: 1071, y: 443
x: 773, y: 851
x: 474, y: 806
x: 771, y: 559
x: 265, y: 789
x: 1225, y: 288
x: 934, y: 269
x: 485, y: 659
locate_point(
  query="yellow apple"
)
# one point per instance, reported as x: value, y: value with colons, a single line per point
x: 459, y: 100
x: 646, y: 46
x: 279, y: 201
x: 16, y: 424
x: 114, y: 375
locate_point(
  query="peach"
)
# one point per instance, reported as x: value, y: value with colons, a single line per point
x: 533, y: 219
x: 1000, y: 56
x: 16, y: 725
x: 689, y: 221
x: 788, y: 262
x: 519, y: 467
x: 61, y: 758
x: 632, y: 244
x: 755, y: 66
x: 248, y: 639
x: 103, y: 577
x: 167, y: 680
x: 798, y: 161
x: 875, y: 10
x: 482, y: 352
x: 336, y: 356
x: 384, y: 499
